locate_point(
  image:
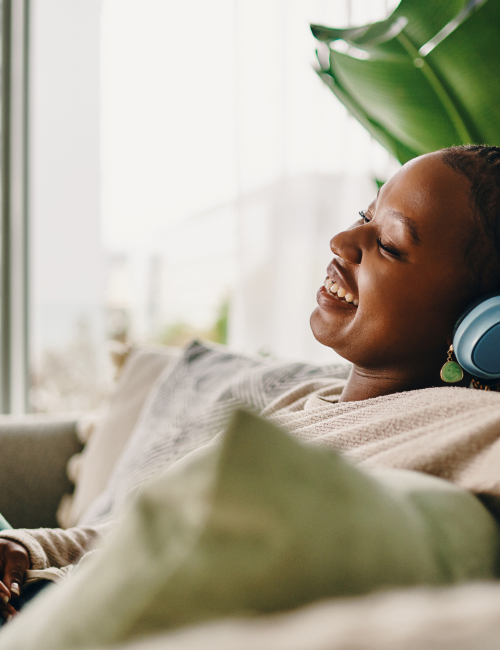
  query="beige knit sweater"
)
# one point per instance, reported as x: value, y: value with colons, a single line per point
x: 449, y: 432
x: 54, y: 551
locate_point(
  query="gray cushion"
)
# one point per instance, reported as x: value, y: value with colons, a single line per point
x: 34, y: 452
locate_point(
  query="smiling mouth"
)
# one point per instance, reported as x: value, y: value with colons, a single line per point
x: 339, y: 292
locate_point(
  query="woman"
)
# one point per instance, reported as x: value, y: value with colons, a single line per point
x: 426, y: 247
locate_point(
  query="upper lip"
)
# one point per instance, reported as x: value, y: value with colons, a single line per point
x: 337, y: 273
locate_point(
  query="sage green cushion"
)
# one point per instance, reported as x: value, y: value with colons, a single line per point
x: 259, y: 524
x: 4, y: 524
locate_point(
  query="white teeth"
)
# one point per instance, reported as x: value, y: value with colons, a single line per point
x: 334, y: 288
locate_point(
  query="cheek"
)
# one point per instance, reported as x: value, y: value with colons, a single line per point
x: 382, y: 297
x: 406, y: 308
x: 395, y: 308
x: 396, y: 292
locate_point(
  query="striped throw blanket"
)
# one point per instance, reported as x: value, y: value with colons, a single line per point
x: 188, y: 406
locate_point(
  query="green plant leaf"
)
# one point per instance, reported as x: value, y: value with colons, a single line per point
x: 427, y: 77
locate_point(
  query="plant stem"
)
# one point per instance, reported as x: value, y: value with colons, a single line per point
x: 439, y: 89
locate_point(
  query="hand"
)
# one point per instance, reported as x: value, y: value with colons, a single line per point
x: 14, y: 562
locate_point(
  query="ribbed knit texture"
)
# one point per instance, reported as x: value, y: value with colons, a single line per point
x: 54, y: 551
x: 453, y: 433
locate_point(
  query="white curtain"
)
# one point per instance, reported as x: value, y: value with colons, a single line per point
x: 305, y: 170
x: 227, y: 164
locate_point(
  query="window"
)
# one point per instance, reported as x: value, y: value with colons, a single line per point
x: 186, y: 172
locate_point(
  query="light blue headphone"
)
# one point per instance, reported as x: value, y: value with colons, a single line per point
x: 476, y: 338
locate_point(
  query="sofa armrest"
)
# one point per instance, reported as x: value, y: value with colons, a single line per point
x: 34, y: 451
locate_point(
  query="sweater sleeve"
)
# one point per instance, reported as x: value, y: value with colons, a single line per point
x: 55, y: 548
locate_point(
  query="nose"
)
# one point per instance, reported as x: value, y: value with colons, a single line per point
x: 348, y: 245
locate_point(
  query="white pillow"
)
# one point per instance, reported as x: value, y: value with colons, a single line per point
x: 188, y: 406
x: 139, y: 374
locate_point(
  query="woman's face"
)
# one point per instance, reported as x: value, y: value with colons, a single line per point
x: 404, y: 266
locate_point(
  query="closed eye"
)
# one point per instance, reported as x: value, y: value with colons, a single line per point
x: 388, y: 249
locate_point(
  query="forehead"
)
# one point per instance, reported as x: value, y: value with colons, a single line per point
x: 432, y: 194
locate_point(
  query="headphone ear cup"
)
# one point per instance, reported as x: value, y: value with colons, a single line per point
x: 476, y: 337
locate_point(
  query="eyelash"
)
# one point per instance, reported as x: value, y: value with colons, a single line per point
x: 391, y: 251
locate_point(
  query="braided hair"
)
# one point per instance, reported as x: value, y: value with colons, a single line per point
x: 480, y: 164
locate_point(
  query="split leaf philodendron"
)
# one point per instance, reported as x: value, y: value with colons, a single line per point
x: 425, y: 78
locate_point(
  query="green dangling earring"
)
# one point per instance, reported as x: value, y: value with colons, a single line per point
x: 452, y: 371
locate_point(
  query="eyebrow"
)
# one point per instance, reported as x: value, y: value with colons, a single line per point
x: 409, y: 224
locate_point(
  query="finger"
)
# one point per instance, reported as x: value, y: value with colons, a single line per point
x: 15, y: 589
x: 15, y: 568
x: 4, y: 594
x: 8, y: 613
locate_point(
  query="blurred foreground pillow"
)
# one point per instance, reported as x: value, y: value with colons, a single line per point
x: 259, y: 524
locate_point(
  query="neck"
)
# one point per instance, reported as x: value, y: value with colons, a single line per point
x: 365, y: 384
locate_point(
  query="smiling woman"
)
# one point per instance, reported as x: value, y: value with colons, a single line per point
x: 407, y: 268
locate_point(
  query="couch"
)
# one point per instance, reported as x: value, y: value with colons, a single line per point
x: 37, y: 451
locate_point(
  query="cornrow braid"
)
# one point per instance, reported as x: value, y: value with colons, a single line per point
x: 480, y: 164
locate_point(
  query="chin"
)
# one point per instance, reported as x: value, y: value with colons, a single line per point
x: 324, y: 333
x: 321, y: 330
